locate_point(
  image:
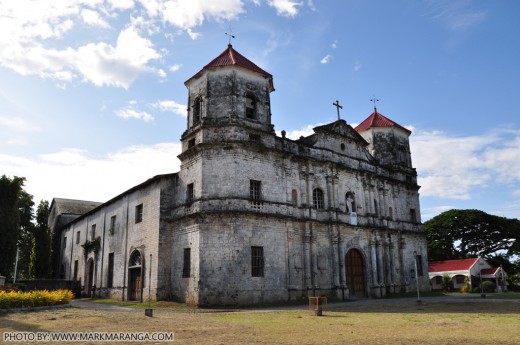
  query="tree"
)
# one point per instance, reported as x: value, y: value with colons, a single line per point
x: 15, y: 211
x: 25, y: 235
x: 40, y: 266
x: 457, y: 234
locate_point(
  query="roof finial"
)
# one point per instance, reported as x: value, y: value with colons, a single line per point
x: 374, y: 99
x: 230, y: 34
x: 338, y: 107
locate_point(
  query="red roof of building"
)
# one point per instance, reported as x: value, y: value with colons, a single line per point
x: 451, y: 265
x: 230, y: 57
x: 490, y: 271
x: 378, y: 120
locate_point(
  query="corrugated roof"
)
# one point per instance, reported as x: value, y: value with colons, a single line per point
x: 378, y: 120
x: 72, y: 206
x: 451, y: 265
x: 230, y: 57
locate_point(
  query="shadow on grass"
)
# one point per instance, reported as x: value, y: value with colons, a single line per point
x: 6, y: 324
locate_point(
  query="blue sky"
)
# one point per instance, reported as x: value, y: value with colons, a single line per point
x: 92, y: 100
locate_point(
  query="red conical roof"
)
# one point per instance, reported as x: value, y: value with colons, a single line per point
x: 230, y: 57
x: 378, y: 120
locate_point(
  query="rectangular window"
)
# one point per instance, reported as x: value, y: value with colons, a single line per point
x: 76, y: 269
x: 112, y: 228
x: 64, y: 243
x: 257, y: 261
x: 413, y: 216
x: 419, y: 265
x: 139, y: 213
x: 186, y: 266
x: 255, y: 190
x: 190, y: 193
x: 77, y: 237
x: 110, y: 278
x: 191, y: 143
x: 93, y: 232
x: 255, y: 138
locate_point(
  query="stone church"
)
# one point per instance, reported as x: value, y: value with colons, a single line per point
x: 253, y: 217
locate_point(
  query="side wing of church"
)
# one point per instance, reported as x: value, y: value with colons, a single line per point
x: 252, y: 217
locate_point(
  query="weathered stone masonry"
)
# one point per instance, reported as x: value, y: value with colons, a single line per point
x: 252, y: 217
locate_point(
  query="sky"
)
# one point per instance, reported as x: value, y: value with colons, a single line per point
x: 93, y: 102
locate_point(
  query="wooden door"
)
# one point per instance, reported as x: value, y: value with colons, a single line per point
x: 135, y: 284
x: 355, y: 273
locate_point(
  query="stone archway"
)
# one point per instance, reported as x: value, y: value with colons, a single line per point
x: 135, y: 277
x: 355, y: 273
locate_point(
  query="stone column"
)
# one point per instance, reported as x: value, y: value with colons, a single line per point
x: 380, y: 265
x: 307, y: 257
x: 373, y: 256
x: 335, y: 256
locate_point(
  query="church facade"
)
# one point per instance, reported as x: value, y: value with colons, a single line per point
x: 253, y: 217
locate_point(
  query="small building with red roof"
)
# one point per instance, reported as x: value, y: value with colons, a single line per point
x: 475, y: 268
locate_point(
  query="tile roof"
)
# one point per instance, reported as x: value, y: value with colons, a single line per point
x: 378, y: 120
x: 230, y: 57
x: 451, y: 265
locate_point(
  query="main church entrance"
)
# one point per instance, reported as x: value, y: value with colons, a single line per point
x: 355, y: 273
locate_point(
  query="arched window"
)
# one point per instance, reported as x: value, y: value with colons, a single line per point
x: 135, y: 259
x: 250, y: 106
x: 317, y: 198
x: 350, y: 201
x: 197, y: 110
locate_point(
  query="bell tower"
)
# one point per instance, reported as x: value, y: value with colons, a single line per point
x: 226, y: 98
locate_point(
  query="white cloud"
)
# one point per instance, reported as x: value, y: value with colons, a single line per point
x: 287, y: 8
x: 193, y: 35
x: 17, y: 124
x: 130, y: 113
x: 187, y: 14
x: 454, y: 167
x: 93, y: 18
x: 455, y: 15
x: 357, y: 66
x: 172, y: 106
x: 175, y: 67
x: 295, y: 134
x: 334, y: 44
x: 326, y: 59
x: 73, y: 173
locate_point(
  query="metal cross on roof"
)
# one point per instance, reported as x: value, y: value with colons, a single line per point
x: 230, y: 36
x: 338, y: 107
x: 374, y: 99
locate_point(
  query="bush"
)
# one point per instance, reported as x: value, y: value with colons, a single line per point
x: 487, y: 286
x: 466, y: 286
x: 19, y: 299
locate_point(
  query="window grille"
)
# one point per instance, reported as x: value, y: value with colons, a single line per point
x: 317, y: 198
x: 257, y: 261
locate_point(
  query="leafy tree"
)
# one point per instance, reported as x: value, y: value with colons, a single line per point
x: 457, y: 234
x: 40, y: 266
x: 15, y: 212
x: 25, y: 235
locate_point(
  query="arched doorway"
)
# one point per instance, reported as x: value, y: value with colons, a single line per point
x: 135, y: 277
x: 90, y: 277
x: 355, y: 273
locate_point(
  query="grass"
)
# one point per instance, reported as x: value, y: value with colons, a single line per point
x: 397, y: 321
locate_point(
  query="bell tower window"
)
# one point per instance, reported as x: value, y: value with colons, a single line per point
x: 197, y: 110
x: 250, y: 106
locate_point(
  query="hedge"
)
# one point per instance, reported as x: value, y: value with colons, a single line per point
x: 20, y: 299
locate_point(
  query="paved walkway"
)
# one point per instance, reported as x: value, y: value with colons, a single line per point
x: 454, y: 298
